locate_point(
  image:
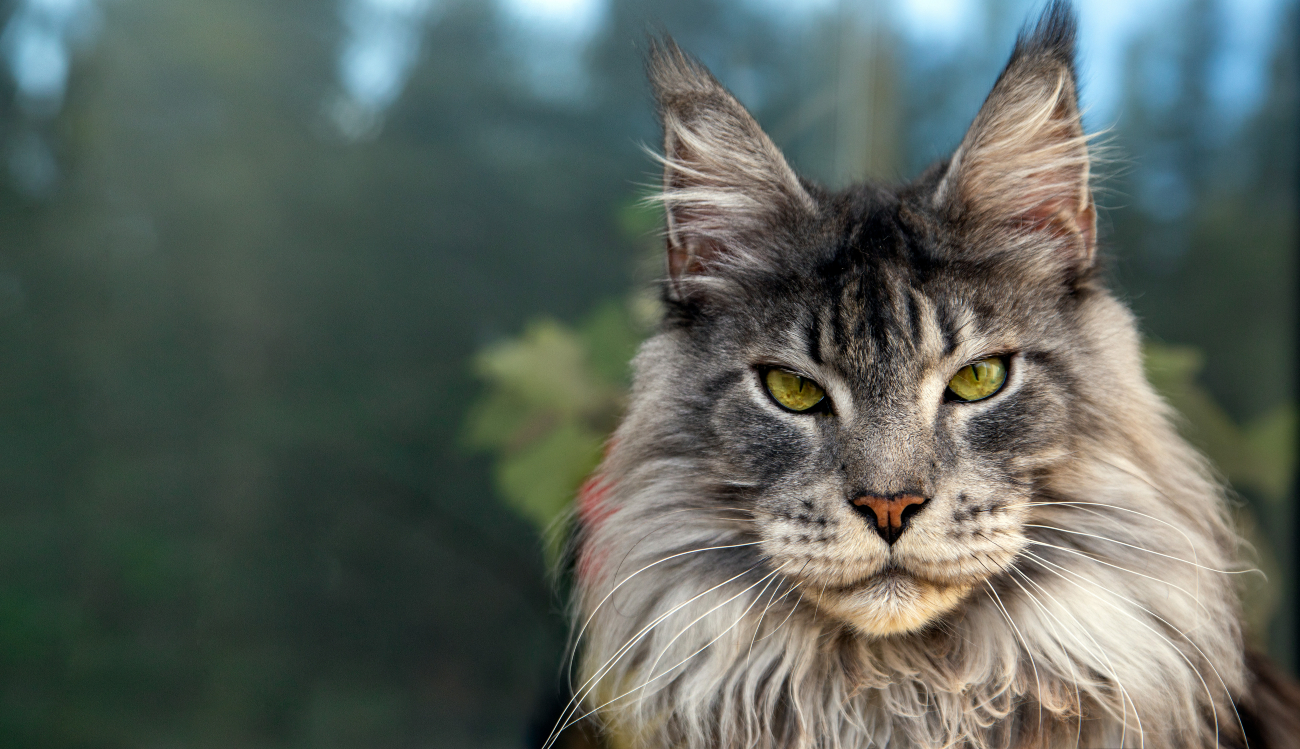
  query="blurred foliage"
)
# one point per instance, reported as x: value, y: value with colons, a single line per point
x: 1258, y: 456
x: 554, y: 395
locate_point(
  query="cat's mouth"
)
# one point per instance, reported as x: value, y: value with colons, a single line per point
x: 892, y: 600
x: 890, y: 570
x: 887, y: 573
x: 894, y: 593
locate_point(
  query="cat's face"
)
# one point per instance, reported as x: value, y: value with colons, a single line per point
x: 873, y: 313
x: 819, y: 335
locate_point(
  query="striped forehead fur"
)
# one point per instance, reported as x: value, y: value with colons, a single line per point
x: 1068, y: 580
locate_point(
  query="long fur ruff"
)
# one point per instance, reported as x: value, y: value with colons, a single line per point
x: 1117, y: 627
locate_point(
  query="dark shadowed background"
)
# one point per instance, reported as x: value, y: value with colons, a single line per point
x: 313, y: 314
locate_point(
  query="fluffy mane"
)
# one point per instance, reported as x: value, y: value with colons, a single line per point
x: 1117, y: 625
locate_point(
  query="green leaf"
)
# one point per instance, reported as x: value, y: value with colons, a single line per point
x: 540, y: 480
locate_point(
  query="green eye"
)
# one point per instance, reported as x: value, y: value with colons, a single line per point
x: 792, y: 391
x: 979, y: 380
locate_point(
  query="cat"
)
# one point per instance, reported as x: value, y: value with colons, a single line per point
x: 891, y: 474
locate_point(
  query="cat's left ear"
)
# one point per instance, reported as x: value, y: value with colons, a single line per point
x: 1019, y: 181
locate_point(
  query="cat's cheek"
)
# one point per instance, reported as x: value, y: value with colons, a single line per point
x: 766, y: 448
x: 800, y: 525
x: 1028, y: 420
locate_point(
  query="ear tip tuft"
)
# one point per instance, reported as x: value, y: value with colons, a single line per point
x: 1053, y: 36
x: 672, y: 71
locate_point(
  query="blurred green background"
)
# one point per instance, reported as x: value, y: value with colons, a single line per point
x: 314, y: 314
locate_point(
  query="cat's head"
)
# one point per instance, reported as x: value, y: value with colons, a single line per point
x: 877, y: 382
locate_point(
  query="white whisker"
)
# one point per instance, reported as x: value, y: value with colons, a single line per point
x: 1139, y: 548
x: 664, y: 650
x: 1195, y: 599
x: 761, y: 617
x: 1078, y: 699
x: 1024, y: 643
x: 590, y: 684
x: 1100, y: 654
x: 573, y: 645
x: 1209, y: 696
x: 1090, y: 507
x: 669, y: 670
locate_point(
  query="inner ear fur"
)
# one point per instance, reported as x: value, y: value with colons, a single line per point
x: 723, y: 178
x: 1021, y: 174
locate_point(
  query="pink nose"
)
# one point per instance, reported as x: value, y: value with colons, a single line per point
x: 890, y: 514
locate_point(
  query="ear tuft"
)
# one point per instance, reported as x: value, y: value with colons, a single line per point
x: 1053, y: 36
x: 1022, y: 170
x: 724, y: 179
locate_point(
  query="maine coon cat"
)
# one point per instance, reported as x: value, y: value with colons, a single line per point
x: 891, y: 474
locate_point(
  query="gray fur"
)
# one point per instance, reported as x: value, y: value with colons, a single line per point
x: 1068, y: 579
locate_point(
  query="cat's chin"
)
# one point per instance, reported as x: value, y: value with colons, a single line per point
x: 893, y: 603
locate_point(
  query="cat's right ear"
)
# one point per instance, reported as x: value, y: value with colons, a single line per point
x: 725, y: 182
